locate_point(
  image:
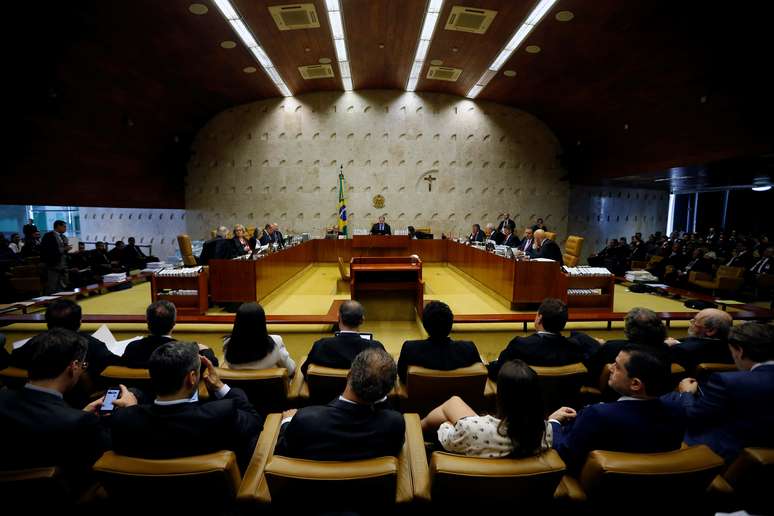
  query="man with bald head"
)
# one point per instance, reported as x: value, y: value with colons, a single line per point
x: 546, y: 248
x: 707, y: 340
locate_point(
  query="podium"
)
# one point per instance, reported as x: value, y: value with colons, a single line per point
x: 380, y: 241
x: 384, y: 277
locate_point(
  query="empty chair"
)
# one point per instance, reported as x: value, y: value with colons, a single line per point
x: 572, y: 250
x: 751, y: 476
x: 322, y: 384
x: 13, y: 377
x: 267, y: 389
x: 561, y: 385
x: 186, y: 250
x: 197, y: 482
x: 425, y: 389
x: 35, y: 490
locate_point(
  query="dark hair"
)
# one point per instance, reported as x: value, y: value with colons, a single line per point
x: 170, y: 363
x: 161, y: 317
x: 650, y: 368
x: 372, y: 374
x: 756, y: 340
x: 59, y: 223
x: 520, y: 407
x: 352, y: 313
x: 643, y: 327
x: 554, y: 314
x: 478, y: 227
x: 437, y: 319
x: 249, y: 340
x: 63, y: 313
x: 53, y: 351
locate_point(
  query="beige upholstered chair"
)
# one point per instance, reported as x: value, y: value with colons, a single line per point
x: 572, y: 250
x: 425, y: 388
x: 267, y: 389
x: 561, y: 385
x: 727, y: 279
x: 750, y: 478
x: 186, y: 251
x: 13, y: 377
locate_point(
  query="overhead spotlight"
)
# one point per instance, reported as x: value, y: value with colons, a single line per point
x: 761, y: 184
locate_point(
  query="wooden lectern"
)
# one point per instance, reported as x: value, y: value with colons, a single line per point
x: 387, y: 274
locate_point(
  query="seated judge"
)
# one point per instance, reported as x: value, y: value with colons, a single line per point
x: 381, y: 228
x: 438, y: 351
x: 177, y: 423
x: 639, y: 422
x: 418, y: 235
x: 216, y: 248
x: 265, y: 236
x: 546, y: 248
x: 251, y: 347
x: 490, y: 233
x: 509, y: 239
x: 161, y: 317
x: 277, y: 236
x: 339, y: 351
x: 547, y: 346
x: 239, y: 243
x: 39, y: 428
x: 729, y: 412
x: 707, y: 340
x: 476, y: 235
x: 527, y: 241
x: 357, y: 425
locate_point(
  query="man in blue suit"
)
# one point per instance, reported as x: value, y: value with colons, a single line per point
x: 730, y: 411
x: 638, y: 422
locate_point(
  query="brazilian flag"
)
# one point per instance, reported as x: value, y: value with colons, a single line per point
x: 342, y: 204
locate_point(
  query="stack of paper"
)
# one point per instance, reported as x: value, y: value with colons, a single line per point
x: 116, y: 277
x: 640, y: 276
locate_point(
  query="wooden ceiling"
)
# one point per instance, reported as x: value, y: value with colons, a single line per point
x: 107, y: 96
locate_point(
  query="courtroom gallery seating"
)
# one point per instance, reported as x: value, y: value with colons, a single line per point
x: 426, y: 389
x: 267, y: 389
x: 572, y: 250
x: 750, y: 478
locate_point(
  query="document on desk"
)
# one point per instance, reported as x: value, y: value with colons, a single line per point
x: 542, y: 260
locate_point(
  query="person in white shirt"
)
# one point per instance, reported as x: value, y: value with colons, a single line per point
x: 15, y: 244
x: 251, y: 347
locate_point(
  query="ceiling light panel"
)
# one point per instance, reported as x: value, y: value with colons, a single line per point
x: 425, y: 37
x: 244, y: 33
x: 533, y: 18
x: 336, y: 19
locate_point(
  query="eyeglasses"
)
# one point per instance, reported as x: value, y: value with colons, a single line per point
x: 82, y: 363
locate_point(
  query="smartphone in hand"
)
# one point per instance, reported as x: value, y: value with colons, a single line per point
x: 111, y: 395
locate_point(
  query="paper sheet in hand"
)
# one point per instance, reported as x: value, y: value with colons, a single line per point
x: 20, y: 343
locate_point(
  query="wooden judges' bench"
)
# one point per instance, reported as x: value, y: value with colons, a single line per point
x: 519, y: 283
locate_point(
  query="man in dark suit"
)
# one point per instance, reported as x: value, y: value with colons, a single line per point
x: 134, y: 258
x: 99, y: 261
x: 161, y: 317
x: 476, y: 235
x: 53, y: 253
x: 507, y: 222
x: 355, y: 426
x: 39, y: 427
x: 546, y: 248
x: 490, y: 233
x: 177, y: 423
x: 438, y: 351
x: 639, y: 422
x: 733, y: 410
x: 276, y: 236
x: 509, y: 239
x: 340, y: 350
x: 29, y: 230
x: 707, y: 340
x: 527, y: 242
x: 217, y: 248
x: 547, y: 347
x: 381, y: 228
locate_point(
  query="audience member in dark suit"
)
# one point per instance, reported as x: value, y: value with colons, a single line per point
x: 29, y: 230
x: 218, y: 247
x: 340, y: 350
x: 438, y: 351
x: 177, y: 424
x: 98, y: 258
x: 547, y: 347
x: 39, y: 428
x: 355, y: 426
x: 240, y: 245
x: 509, y: 239
x: 546, y: 248
x: 134, y: 257
x: 381, y: 228
x: 476, y: 235
x: 490, y: 233
x: 641, y: 327
x: 733, y: 410
x: 707, y: 340
x: 507, y: 222
x: 117, y: 253
x: 53, y: 253
x: 638, y: 422
x: 161, y: 317
x: 742, y: 257
x: 31, y: 245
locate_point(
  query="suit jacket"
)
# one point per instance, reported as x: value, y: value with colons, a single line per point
x: 444, y: 355
x: 732, y: 411
x: 762, y: 266
x: 215, y: 249
x: 511, y: 241
x: 338, y: 351
x: 496, y: 236
x: 478, y: 237
x: 743, y: 259
x: 511, y: 224
x: 137, y: 353
x: 169, y: 431
x: 606, y: 355
x: 527, y: 245
x: 549, y: 249
x: 50, y: 253
x: 539, y: 349
x: 376, y: 231
x: 635, y: 426
x: 342, y: 430
x: 97, y: 355
x: 40, y: 429
x: 695, y: 350
x: 236, y: 248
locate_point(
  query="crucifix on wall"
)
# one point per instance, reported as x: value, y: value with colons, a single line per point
x: 429, y: 178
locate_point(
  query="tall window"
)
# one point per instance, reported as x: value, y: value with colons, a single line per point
x: 44, y: 217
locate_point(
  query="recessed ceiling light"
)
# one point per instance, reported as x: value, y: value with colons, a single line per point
x: 564, y: 16
x: 336, y: 20
x: 430, y: 19
x: 381, y: 45
x: 436, y: 62
x: 532, y: 49
x: 198, y: 9
x: 455, y: 49
x: 307, y: 49
x: 509, y: 73
x: 249, y: 69
x: 227, y: 44
x: 324, y: 60
x: 761, y: 184
x: 703, y: 99
x: 626, y: 127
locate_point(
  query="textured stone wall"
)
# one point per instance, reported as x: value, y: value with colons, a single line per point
x: 278, y: 160
x: 148, y: 226
x: 600, y: 213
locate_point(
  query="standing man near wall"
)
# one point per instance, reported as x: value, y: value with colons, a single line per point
x: 53, y: 252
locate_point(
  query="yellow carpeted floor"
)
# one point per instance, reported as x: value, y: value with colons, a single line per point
x: 313, y: 290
